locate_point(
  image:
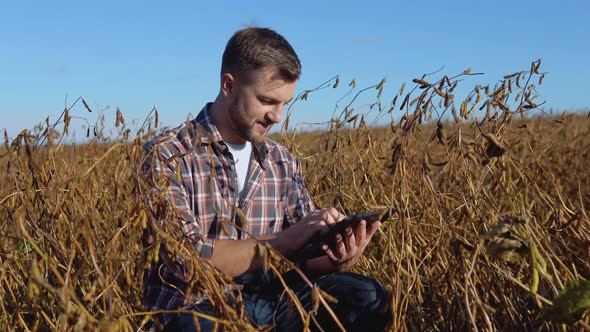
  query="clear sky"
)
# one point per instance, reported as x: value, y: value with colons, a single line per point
x: 138, y: 54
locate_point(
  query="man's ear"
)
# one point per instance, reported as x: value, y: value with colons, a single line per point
x: 228, y: 83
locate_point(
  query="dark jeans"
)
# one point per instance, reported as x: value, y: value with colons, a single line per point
x: 362, y: 304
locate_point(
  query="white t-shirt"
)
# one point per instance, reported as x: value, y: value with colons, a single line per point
x: 241, y: 153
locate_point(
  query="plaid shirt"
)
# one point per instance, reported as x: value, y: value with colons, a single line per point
x: 274, y: 197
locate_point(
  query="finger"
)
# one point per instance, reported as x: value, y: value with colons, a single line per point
x: 350, y: 241
x: 339, y: 247
x: 330, y: 253
x: 337, y: 215
x: 372, y: 229
x: 316, y: 221
x: 361, y: 233
x: 328, y: 217
x: 315, y: 217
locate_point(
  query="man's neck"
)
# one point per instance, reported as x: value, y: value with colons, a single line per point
x: 219, y: 113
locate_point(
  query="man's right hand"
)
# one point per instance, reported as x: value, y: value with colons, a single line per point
x: 235, y: 257
x: 300, y: 234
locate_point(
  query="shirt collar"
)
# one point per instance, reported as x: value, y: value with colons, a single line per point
x: 211, y: 135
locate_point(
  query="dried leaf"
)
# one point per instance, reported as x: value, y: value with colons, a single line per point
x: 380, y: 85
x: 504, y: 241
x: 120, y: 119
x: 495, y: 148
x: 441, y: 134
x: 86, y: 105
x: 423, y: 83
x: 405, y: 102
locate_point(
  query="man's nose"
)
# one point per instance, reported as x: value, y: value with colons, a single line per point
x: 276, y: 115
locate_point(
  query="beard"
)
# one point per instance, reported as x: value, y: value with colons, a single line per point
x: 245, y: 127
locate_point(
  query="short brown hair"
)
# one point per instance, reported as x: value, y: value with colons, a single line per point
x: 256, y: 48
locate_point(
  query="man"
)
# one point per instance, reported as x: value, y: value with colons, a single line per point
x: 222, y: 162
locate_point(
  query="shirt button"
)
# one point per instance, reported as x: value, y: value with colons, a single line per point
x: 232, y: 167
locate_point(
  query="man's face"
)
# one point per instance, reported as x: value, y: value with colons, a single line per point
x: 256, y: 103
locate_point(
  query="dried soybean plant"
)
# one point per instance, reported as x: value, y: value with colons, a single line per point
x: 493, y: 230
x: 457, y: 168
x: 75, y: 241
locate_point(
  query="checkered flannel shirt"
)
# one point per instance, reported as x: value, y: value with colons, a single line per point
x: 274, y: 197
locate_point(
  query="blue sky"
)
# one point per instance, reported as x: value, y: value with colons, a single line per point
x: 138, y: 54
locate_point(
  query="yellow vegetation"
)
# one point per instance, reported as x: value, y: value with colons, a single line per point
x: 471, y: 191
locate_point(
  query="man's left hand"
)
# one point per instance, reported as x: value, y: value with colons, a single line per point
x: 349, y: 247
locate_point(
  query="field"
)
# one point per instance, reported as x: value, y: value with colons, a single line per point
x: 493, y: 223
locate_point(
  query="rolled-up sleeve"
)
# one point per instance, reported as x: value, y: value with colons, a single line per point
x: 160, y: 170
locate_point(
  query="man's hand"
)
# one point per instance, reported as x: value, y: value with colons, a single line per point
x: 348, y: 248
x: 235, y: 257
x: 299, y: 235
